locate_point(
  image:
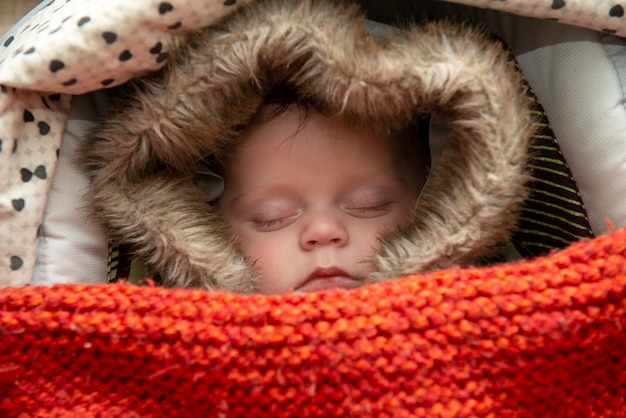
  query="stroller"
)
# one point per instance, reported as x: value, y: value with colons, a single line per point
x: 540, y: 336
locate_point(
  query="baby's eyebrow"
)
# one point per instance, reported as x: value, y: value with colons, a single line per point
x: 384, y: 184
x: 257, y: 198
x: 238, y: 202
x: 238, y: 198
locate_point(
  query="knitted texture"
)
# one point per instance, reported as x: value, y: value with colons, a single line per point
x: 537, y: 338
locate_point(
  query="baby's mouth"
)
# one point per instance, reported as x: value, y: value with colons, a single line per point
x: 325, y: 278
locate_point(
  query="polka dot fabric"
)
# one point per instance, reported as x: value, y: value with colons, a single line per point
x: 31, y: 127
x: 81, y: 46
x: 602, y: 15
x: 541, y: 338
x: 67, y: 48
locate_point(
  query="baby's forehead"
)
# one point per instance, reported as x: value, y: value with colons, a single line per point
x: 297, y: 128
x: 304, y: 116
x: 278, y: 125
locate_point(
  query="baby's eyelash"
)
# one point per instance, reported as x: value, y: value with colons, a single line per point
x: 378, y: 208
x: 268, y: 224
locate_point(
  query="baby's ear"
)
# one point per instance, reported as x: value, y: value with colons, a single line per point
x: 208, y: 181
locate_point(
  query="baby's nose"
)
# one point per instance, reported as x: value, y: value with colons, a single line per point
x: 323, y: 228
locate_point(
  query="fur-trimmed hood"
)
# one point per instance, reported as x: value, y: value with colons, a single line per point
x: 142, y: 154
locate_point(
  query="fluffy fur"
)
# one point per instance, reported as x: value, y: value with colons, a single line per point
x: 140, y: 157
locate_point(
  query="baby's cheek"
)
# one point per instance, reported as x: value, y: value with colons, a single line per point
x: 401, y: 216
x: 381, y: 235
x: 260, y: 253
x: 273, y: 277
x: 370, y: 239
x: 251, y: 251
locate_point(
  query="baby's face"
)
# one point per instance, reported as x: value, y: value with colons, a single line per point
x: 308, y: 203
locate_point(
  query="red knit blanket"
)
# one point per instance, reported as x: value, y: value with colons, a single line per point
x: 537, y: 338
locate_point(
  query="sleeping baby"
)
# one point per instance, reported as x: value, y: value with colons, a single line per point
x: 307, y: 188
x: 316, y: 170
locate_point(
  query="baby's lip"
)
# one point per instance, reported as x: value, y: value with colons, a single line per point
x: 325, y: 278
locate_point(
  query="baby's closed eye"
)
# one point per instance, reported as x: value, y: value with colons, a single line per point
x: 368, y: 202
x: 273, y: 217
x: 273, y: 224
x: 369, y: 211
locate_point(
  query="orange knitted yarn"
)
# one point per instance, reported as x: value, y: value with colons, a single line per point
x: 536, y: 339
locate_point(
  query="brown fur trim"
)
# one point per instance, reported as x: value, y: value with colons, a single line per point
x: 140, y: 157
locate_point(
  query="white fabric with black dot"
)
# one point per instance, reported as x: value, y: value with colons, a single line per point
x: 64, y: 48
x: 606, y: 16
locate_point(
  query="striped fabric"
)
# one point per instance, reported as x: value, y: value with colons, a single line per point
x: 553, y: 215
